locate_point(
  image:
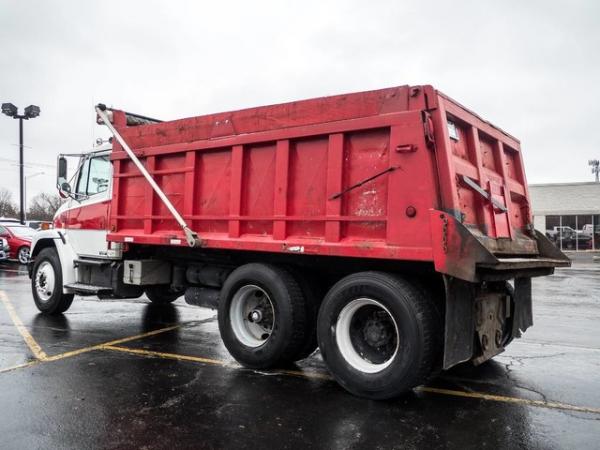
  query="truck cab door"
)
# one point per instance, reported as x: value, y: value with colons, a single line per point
x: 87, y: 217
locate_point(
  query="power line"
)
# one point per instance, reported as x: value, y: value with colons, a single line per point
x: 50, y: 166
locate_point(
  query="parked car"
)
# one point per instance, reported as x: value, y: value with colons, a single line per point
x: 19, y: 239
x: 563, y: 232
x: 38, y: 224
x: 575, y: 241
x: 4, y: 249
x: 9, y: 220
x: 588, y: 229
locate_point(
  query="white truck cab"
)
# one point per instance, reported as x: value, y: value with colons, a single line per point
x: 78, y: 238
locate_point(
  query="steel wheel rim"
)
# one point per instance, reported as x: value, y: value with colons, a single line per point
x: 45, y: 281
x: 358, y: 343
x: 23, y: 255
x: 252, y: 316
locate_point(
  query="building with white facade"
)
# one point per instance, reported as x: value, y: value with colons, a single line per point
x: 568, y: 213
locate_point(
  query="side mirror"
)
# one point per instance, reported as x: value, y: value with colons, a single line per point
x: 65, y: 187
x: 62, y: 167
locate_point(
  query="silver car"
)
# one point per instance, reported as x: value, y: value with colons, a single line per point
x: 4, y: 248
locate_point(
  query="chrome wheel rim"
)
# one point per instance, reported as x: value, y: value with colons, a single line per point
x: 252, y: 316
x: 367, y: 335
x: 23, y: 255
x: 45, y: 281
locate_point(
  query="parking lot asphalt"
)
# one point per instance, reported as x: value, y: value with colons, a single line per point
x: 125, y: 374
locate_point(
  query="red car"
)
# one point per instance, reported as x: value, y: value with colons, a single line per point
x: 19, y: 240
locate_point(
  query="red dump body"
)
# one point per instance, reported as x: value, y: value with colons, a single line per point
x: 392, y: 174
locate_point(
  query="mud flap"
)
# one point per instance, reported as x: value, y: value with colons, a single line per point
x: 523, y: 314
x: 468, y: 309
x: 460, y: 321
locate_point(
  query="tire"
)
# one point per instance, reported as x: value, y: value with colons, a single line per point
x: 46, y: 283
x: 437, y: 299
x: 23, y: 255
x: 312, y: 299
x: 162, y: 294
x: 262, y: 316
x: 378, y: 334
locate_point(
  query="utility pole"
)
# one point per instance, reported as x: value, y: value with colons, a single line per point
x: 595, y: 168
x: 31, y: 112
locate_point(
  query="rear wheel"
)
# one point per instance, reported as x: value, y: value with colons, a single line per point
x: 378, y: 334
x: 312, y: 297
x: 46, y: 284
x: 262, y: 316
x: 162, y: 294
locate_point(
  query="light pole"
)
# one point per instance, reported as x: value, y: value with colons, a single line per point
x: 25, y: 187
x: 31, y: 112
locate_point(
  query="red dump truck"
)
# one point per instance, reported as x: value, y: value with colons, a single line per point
x: 391, y: 229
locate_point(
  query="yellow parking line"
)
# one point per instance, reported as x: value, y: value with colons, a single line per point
x: 505, y: 399
x: 27, y: 337
x: 324, y: 376
x: 175, y: 356
x: 20, y: 366
x: 215, y: 362
x: 40, y: 355
x: 109, y: 343
x: 101, y: 346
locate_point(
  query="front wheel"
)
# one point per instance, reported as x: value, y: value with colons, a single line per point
x: 23, y: 255
x: 46, y: 284
x: 378, y: 334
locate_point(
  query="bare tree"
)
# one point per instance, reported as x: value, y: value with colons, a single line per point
x: 7, y: 207
x: 43, y: 206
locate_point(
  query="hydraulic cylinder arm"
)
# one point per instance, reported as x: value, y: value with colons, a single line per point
x: 191, y: 236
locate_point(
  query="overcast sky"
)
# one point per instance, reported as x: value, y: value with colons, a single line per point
x: 530, y: 67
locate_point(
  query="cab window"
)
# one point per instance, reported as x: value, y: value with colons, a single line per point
x: 99, y: 175
x: 94, y: 176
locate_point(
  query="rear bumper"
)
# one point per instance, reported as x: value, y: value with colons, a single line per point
x: 460, y: 254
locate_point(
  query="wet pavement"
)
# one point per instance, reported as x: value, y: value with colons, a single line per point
x: 124, y: 374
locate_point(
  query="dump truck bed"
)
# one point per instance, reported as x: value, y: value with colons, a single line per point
x: 401, y: 173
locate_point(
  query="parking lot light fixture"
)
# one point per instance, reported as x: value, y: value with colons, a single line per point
x: 31, y: 112
x: 9, y: 109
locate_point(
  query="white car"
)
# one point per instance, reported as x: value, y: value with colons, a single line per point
x: 588, y: 229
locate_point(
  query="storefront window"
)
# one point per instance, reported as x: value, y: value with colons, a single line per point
x: 572, y: 232
x: 553, y: 229
x: 584, y: 233
x: 596, y: 232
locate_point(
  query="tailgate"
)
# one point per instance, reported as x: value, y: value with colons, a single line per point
x: 482, y: 180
